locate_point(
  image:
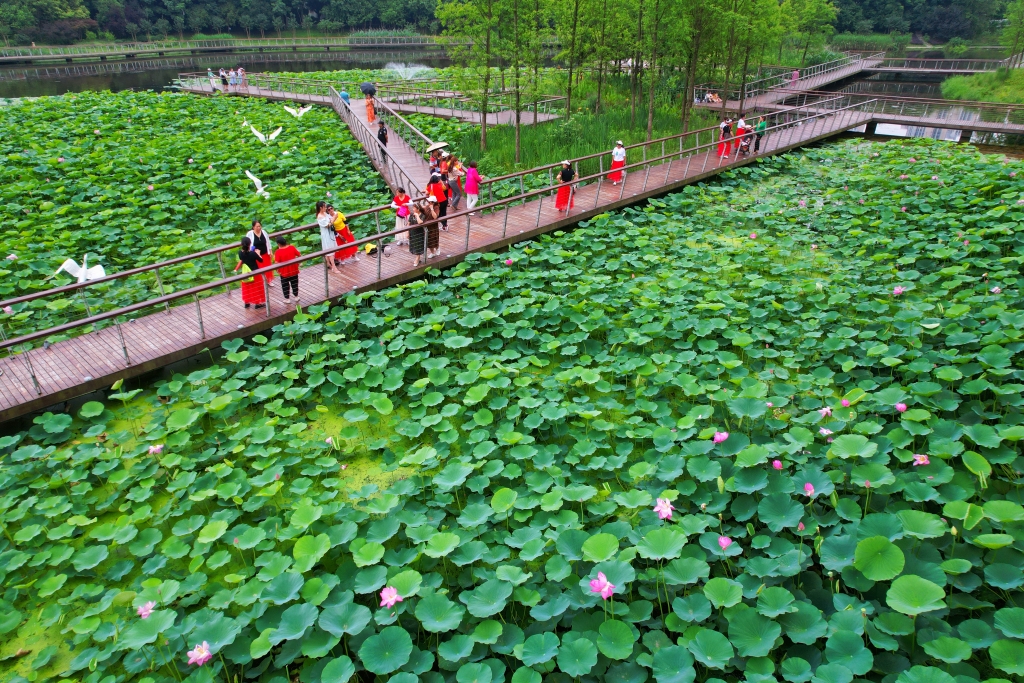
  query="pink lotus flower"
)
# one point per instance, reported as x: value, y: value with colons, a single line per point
x: 146, y: 610
x: 191, y: 193
x: 920, y: 459
x: 846, y: 187
x: 903, y: 208
x: 809, y: 489
x: 897, y: 290
x: 719, y: 437
x: 200, y: 654
x: 901, y: 407
x: 845, y: 403
x: 861, y: 201
x: 800, y: 526
x: 664, y: 508
x: 276, y: 477
x: 389, y: 596
x: 770, y: 404
x: 912, y: 160
x: 935, y: 177
x: 602, y: 586
x: 867, y: 484
x: 1013, y: 174
x: 12, y: 257
x: 753, y: 235
x: 995, y: 290
x: 829, y: 440
x: 875, y: 154
x: 826, y: 411
x: 508, y: 262
x: 190, y: 160
x: 344, y: 467
x: 8, y: 310
x: 814, y: 246
x: 903, y: 177
x: 209, y: 167
x: 96, y: 132
x: 236, y: 540
x: 724, y: 542
x: 777, y: 464
x: 966, y: 242
x: 60, y: 160
x: 329, y: 441
x: 156, y: 450
x: 802, y: 203
x: 328, y: 194
x: 150, y: 188
x: 824, y: 432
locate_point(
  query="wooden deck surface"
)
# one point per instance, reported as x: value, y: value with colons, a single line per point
x: 95, y: 360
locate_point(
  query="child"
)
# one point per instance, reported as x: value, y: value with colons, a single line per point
x: 289, y: 274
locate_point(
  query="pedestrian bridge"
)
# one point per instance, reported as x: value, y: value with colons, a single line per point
x: 99, y: 345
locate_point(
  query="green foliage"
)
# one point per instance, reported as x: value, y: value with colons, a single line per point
x: 1005, y: 85
x: 652, y: 329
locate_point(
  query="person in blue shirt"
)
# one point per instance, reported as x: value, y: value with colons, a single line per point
x: 344, y: 95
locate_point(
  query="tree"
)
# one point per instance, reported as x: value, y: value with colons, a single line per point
x: 570, y: 17
x: 812, y: 21
x: 472, y: 23
x: 513, y: 45
x: 1013, y: 32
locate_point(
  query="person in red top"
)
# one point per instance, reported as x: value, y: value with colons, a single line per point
x: 439, y: 192
x: 289, y: 274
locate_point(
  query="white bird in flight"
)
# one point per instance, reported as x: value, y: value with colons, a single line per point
x: 260, y: 189
x: 80, y: 273
x: 265, y: 138
x: 298, y: 114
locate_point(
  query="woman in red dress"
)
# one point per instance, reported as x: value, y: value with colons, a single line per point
x: 565, y: 200
x: 618, y: 161
x: 344, y: 236
x: 252, y: 289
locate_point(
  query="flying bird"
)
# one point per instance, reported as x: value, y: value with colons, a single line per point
x: 80, y: 273
x: 260, y: 189
x: 265, y: 138
x: 298, y: 114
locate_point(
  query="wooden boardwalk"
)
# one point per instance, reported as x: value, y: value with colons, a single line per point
x: 95, y: 360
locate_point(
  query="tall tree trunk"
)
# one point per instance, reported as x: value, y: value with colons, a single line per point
x: 572, y: 57
x: 743, y: 82
x: 807, y: 46
x: 601, y: 56
x: 652, y: 81
x: 696, y: 39
x: 728, y: 59
x: 636, y: 77
x: 487, y: 87
x: 517, y: 105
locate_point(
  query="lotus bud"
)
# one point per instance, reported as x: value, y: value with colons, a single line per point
x: 721, y: 484
x: 952, y: 530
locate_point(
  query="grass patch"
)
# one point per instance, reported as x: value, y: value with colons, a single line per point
x: 1006, y: 86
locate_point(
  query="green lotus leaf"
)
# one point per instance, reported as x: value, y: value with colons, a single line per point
x: 347, y: 618
x: 441, y: 545
x: 949, y: 650
x: 539, y: 648
x: 600, y: 547
x: 473, y: 673
x: 723, y: 592
x: 752, y: 634
x: 577, y: 657
x: 878, y: 559
x: 673, y: 664
x: 912, y: 595
x: 615, y: 639
x: 711, y: 648
x: 661, y: 544
x: 386, y: 651
x: 145, y: 631
x: 847, y: 649
x: 368, y: 554
x: 438, y: 614
x: 503, y: 500
x: 775, y: 601
x: 487, y: 599
x: 338, y: 670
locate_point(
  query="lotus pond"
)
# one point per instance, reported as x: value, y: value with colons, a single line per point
x: 137, y: 178
x: 763, y: 429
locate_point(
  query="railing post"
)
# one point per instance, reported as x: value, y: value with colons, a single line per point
x: 199, y: 316
x: 468, y: 221
x: 504, y: 223
x: 31, y: 370
x: 85, y: 302
x: 160, y: 284
x: 124, y: 349
x: 266, y: 295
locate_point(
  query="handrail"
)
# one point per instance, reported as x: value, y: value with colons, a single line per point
x: 193, y: 292
x: 379, y: 238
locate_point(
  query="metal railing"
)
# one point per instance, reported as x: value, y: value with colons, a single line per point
x: 777, y: 81
x: 807, y: 128
x: 939, y: 65
x: 928, y: 110
x: 234, y: 43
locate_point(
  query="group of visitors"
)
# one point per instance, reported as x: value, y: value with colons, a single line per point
x: 229, y: 79
x: 254, y: 254
x: 334, y: 232
x: 708, y: 98
x: 745, y: 135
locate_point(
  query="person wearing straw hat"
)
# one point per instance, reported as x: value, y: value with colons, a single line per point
x: 618, y: 161
x: 564, y: 199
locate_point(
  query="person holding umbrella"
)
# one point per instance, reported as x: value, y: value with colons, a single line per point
x: 369, y: 90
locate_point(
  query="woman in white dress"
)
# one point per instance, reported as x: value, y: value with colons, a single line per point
x: 328, y: 240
